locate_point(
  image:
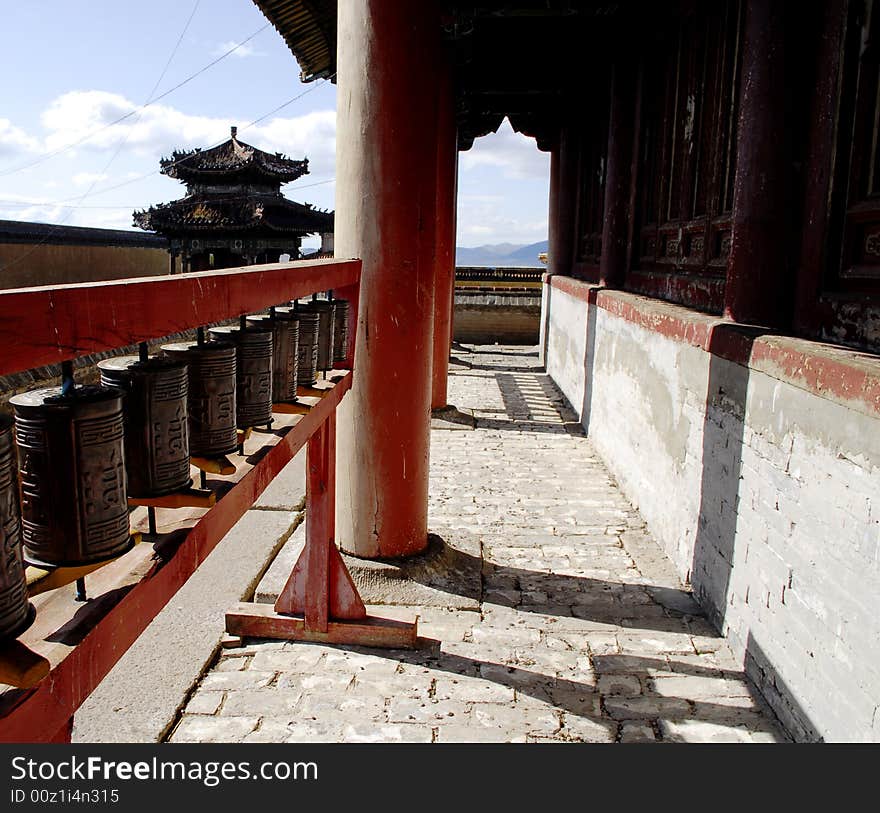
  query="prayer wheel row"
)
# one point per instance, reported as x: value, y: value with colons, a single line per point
x: 83, y: 451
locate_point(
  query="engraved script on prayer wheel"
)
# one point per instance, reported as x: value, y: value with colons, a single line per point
x: 211, y: 396
x: 285, y: 349
x: 74, y: 507
x: 324, y: 309
x: 340, y: 329
x: 16, y: 614
x: 156, y: 435
x: 307, y: 360
x: 253, y: 377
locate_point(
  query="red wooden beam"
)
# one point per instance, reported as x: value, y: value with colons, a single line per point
x: 48, y: 708
x: 47, y: 325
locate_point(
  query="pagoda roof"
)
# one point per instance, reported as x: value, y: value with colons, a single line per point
x: 234, y: 213
x: 232, y: 158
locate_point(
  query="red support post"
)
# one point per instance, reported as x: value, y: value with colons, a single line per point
x: 320, y: 602
x: 320, y: 525
x: 444, y: 269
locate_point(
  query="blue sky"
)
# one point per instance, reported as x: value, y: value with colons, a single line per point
x: 72, y: 68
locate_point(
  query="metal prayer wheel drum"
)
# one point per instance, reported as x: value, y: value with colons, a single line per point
x: 324, y: 309
x: 156, y: 433
x: 340, y: 329
x: 16, y: 614
x: 74, y: 507
x: 253, y: 377
x: 285, y: 349
x: 210, y: 396
x: 307, y: 358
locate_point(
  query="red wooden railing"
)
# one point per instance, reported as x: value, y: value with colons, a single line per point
x: 81, y: 643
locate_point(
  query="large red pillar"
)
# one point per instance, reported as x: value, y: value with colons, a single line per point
x: 444, y: 279
x: 386, y: 173
x: 756, y: 270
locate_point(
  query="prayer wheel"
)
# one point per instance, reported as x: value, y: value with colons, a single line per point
x: 156, y: 436
x: 74, y: 507
x: 253, y: 377
x: 16, y: 614
x: 211, y: 396
x: 340, y: 329
x: 324, y: 309
x: 285, y: 348
x: 307, y: 359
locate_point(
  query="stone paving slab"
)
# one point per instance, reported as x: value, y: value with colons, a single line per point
x: 576, y: 628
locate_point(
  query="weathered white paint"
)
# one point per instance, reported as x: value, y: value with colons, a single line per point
x: 764, y: 494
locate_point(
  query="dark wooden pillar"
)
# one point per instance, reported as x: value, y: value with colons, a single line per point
x: 563, y: 200
x: 615, y: 224
x: 386, y: 168
x: 756, y: 270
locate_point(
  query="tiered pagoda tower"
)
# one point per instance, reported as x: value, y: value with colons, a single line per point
x: 234, y: 213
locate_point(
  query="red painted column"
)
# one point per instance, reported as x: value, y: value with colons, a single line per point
x: 615, y: 225
x: 756, y: 270
x: 444, y: 279
x: 386, y: 172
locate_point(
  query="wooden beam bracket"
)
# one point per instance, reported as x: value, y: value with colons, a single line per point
x: 43, y: 579
x: 186, y: 498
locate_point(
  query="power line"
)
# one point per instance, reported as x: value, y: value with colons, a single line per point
x: 121, y: 144
x: 102, y: 128
x: 27, y: 204
x: 124, y: 140
x: 89, y: 192
x: 175, y: 163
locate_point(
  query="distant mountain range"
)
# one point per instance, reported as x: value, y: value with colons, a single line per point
x: 501, y: 254
x: 497, y: 255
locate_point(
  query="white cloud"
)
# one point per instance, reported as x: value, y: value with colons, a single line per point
x: 241, y: 52
x: 484, y: 220
x: 159, y: 129
x: 88, y: 178
x: 42, y: 210
x: 14, y: 140
x: 516, y: 155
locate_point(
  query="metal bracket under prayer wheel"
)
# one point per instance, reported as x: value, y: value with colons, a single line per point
x: 320, y: 602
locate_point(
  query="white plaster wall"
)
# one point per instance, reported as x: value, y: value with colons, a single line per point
x: 564, y: 343
x: 766, y: 496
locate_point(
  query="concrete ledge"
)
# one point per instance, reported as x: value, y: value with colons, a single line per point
x: 848, y: 377
x: 140, y: 698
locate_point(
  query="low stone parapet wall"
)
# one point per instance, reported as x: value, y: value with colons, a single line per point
x: 755, y: 461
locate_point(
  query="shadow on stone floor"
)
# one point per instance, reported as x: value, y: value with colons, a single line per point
x: 526, y: 352
x: 631, y: 694
x: 452, y: 568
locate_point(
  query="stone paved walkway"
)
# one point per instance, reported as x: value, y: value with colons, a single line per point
x: 581, y: 631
